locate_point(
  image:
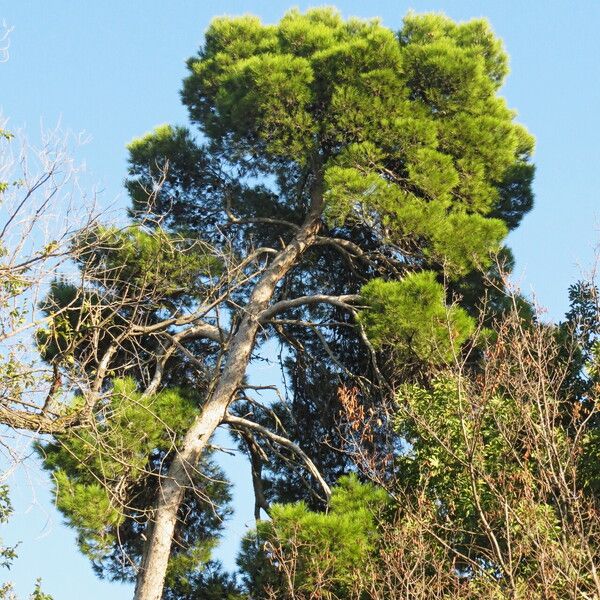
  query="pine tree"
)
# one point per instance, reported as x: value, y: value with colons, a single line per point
x: 341, y: 174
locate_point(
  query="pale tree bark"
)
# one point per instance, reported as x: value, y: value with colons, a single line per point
x: 159, y: 534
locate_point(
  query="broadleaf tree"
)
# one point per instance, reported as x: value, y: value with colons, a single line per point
x: 493, y: 494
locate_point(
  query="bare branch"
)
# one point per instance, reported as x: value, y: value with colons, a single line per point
x: 342, y: 301
x: 240, y: 423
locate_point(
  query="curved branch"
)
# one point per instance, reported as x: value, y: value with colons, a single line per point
x: 42, y: 423
x: 202, y: 330
x: 341, y: 244
x: 353, y: 251
x: 158, y: 372
x: 342, y: 301
x: 240, y: 423
x: 262, y: 220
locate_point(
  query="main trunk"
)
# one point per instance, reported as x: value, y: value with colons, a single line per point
x: 157, y: 548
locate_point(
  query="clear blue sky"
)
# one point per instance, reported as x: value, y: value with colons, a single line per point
x: 114, y: 67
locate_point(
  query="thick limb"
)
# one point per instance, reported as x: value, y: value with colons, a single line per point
x: 157, y: 547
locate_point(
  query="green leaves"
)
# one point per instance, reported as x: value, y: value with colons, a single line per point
x: 88, y: 509
x: 38, y: 594
x: 315, y: 83
x: 433, y: 173
x: 269, y: 94
x: 332, y: 549
x: 405, y: 130
x: 96, y: 468
x: 411, y: 315
x: 163, y: 266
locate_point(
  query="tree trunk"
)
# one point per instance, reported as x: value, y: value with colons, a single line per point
x: 157, y: 547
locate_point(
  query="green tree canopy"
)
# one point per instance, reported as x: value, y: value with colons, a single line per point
x: 336, y: 173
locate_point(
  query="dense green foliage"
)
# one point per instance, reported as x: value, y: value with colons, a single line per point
x: 400, y: 150
x: 335, y: 547
x: 104, y: 480
x: 419, y: 160
x: 409, y: 129
x: 149, y: 260
x: 411, y: 314
x: 490, y: 499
